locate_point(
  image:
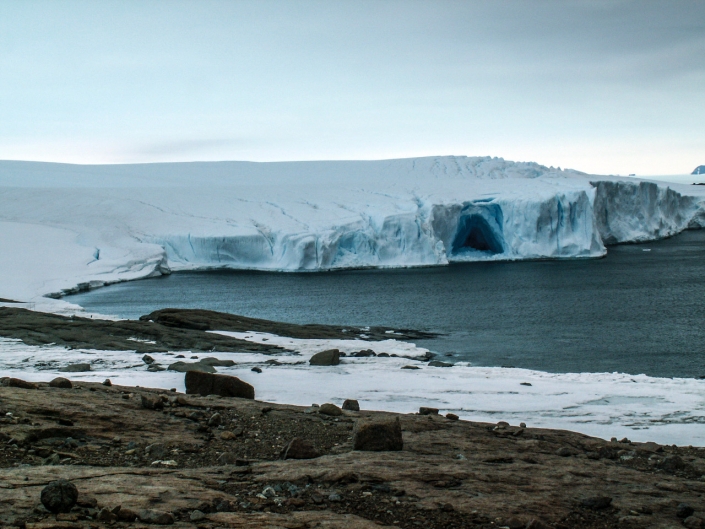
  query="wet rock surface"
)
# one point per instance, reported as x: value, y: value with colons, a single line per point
x: 211, y: 462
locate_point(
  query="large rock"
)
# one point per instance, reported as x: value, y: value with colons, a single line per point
x: 19, y: 383
x: 330, y: 409
x: 331, y: 357
x: 198, y: 383
x: 351, y: 405
x: 185, y: 367
x: 378, y: 436
x: 59, y: 496
x: 299, y: 449
x: 61, y: 382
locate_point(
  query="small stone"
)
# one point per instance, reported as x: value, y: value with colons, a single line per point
x: 152, y: 402
x: 147, y: 359
x: 126, y: 515
x: 105, y: 515
x: 693, y: 522
x: 75, y: 368
x: 227, y: 436
x: 61, y: 382
x: 378, y: 435
x: 59, y: 496
x: 299, y: 449
x: 215, y: 420
x: 597, y: 502
x: 330, y: 409
x: 335, y: 497
x: 351, y: 405
x: 269, y: 492
x: 522, y: 425
x: 525, y: 384
x: 672, y: 463
x: 216, y: 362
x: 515, y: 523
x: 197, y: 516
x: 452, y: 416
x: 409, y: 367
x: 364, y: 353
x: 330, y: 357
x: 256, y: 370
x: 383, y: 355
x: 155, y: 367
x: 52, y: 460
x: 107, y: 382
x: 684, y: 510
x: 428, y: 411
x: 536, y: 524
x: 155, y: 517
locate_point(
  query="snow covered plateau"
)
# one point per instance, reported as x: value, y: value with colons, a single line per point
x: 65, y: 227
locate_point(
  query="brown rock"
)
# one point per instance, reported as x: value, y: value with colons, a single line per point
x: 378, y: 436
x: 226, y: 386
x: 126, y: 515
x: 152, y: 402
x: 59, y: 496
x: 299, y: 449
x: 330, y: 409
x: 331, y: 357
x: 452, y: 416
x: 155, y: 517
x: 19, y: 383
x: 428, y: 411
x: 351, y: 405
x: 61, y: 382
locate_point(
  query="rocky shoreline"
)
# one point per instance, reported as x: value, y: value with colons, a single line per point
x: 140, y: 457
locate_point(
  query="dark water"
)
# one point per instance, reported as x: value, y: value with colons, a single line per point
x: 634, y: 311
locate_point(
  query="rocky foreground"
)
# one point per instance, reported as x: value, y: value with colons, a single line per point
x: 142, y: 457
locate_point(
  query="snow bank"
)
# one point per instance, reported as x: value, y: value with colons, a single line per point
x: 601, y: 404
x: 67, y: 227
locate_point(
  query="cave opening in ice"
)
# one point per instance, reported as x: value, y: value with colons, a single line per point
x: 479, y: 230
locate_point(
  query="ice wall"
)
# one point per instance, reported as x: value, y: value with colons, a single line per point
x: 93, y: 225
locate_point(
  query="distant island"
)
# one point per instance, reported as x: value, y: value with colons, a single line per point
x: 700, y: 169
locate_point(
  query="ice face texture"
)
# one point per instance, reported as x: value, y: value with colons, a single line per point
x: 68, y: 227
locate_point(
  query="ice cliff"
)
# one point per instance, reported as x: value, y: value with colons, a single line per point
x: 64, y: 227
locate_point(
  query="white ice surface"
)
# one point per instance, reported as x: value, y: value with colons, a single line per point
x: 64, y: 227
x: 600, y: 404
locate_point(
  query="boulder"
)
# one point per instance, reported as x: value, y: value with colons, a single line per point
x: 75, y: 368
x: 299, y: 449
x: 147, y: 359
x: 330, y: 409
x: 331, y: 357
x: 59, y: 496
x: 210, y: 361
x: 126, y: 515
x: 19, y: 383
x: 428, y: 411
x: 198, y: 383
x: 378, y: 435
x: 351, y: 405
x: 61, y: 382
x: 185, y: 367
x: 409, y: 367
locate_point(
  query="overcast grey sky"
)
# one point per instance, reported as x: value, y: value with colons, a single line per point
x: 596, y: 85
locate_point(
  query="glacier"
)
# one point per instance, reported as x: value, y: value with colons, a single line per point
x: 65, y: 228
